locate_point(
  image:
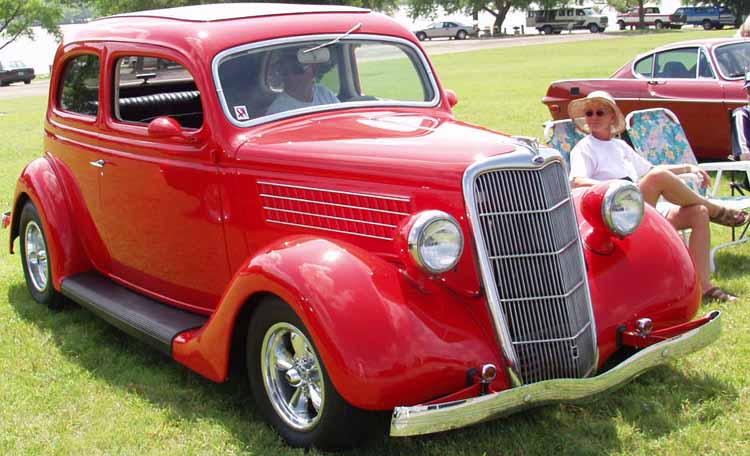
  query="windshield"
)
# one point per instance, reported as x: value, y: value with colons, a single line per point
x: 264, y: 83
x: 733, y: 59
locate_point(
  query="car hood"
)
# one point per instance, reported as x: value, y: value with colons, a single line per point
x: 392, y: 146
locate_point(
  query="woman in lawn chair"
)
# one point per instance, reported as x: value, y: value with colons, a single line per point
x: 599, y: 156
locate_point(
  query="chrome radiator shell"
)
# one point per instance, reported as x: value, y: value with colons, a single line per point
x: 531, y: 262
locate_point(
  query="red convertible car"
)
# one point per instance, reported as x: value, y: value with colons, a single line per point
x: 700, y: 81
x: 284, y: 189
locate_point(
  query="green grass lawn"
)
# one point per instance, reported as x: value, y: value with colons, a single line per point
x: 70, y: 383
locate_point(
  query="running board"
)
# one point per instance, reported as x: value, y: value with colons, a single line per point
x: 143, y: 318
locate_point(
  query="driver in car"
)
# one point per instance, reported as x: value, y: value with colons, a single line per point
x: 298, y: 70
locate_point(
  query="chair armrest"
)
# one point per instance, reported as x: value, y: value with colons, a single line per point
x: 726, y: 166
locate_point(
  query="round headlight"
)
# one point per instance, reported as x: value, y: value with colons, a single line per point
x: 436, y: 241
x: 622, y: 209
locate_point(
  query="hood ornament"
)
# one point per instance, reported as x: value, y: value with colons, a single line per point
x: 532, y: 144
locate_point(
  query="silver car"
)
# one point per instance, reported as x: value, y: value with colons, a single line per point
x: 446, y: 29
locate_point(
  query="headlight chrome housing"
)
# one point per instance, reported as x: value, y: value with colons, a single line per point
x: 436, y: 241
x: 622, y: 208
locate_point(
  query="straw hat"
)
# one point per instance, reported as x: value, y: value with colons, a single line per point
x: 577, y: 111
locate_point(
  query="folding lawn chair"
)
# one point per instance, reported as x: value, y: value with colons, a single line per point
x: 563, y: 136
x: 656, y: 134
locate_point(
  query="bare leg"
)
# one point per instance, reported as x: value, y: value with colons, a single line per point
x: 661, y: 182
x: 695, y: 217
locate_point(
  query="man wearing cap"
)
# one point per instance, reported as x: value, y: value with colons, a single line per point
x: 741, y: 127
x: 600, y: 156
x: 300, y: 88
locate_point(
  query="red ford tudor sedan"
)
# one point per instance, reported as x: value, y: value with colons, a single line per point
x: 286, y: 187
x: 700, y: 81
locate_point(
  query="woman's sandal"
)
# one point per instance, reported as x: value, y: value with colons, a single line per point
x: 717, y: 294
x: 730, y: 217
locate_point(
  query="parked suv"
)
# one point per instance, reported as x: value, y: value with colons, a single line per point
x: 284, y: 189
x: 707, y: 16
x: 568, y: 18
x: 15, y: 71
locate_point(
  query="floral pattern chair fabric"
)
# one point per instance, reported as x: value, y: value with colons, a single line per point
x: 563, y: 136
x: 657, y: 135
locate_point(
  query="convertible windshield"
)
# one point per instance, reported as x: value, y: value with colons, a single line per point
x: 300, y: 77
x: 734, y: 59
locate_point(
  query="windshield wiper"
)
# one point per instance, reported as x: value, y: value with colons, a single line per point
x: 335, y: 40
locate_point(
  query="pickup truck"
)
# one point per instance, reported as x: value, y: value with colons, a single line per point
x: 651, y: 16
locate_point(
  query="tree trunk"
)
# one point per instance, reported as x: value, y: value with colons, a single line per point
x: 641, y: 15
x: 499, y: 14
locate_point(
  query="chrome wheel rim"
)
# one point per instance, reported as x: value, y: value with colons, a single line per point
x: 36, y: 256
x: 292, y: 376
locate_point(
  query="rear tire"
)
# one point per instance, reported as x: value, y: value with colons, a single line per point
x: 593, y: 28
x: 659, y: 25
x: 461, y: 35
x: 547, y: 29
x: 421, y: 36
x: 291, y: 385
x: 37, y: 264
x: 621, y: 25
x: 27, y: 82
x: 707, y: 25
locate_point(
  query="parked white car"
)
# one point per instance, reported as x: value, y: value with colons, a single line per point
x: 447, y: 29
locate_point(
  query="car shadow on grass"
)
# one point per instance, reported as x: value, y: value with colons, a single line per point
x: 660, y: 402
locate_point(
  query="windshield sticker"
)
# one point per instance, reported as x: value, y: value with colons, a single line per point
x: 241, y: 113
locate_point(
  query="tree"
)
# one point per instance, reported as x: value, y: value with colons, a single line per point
x: 498, y: 8
x: 625, y: 5
x: 17, y: 17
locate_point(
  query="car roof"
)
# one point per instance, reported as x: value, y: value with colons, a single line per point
x: 228, y: 11
x: 709, y: 43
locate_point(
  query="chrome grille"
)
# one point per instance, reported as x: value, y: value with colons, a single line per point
x: 529, y: 235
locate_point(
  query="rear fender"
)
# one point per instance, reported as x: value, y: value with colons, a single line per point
x: 383, y: 342
x: 40, y: 184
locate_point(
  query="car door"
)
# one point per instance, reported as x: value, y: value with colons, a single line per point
x: 162, y: 219
x: 685, y: 82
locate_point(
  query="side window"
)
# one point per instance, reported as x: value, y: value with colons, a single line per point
x: 376, y: 66
x: 644, y: 66
x: 677, y: 63
x: 580, y: 13
x: 704, y: 66
x: 150, y: 87
x: 79, y: 88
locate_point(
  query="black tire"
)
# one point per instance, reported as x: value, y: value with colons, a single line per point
x: 593, y: 28
x: 421, y: 36
x: 4, y: 83
x: 339, y: 425
x: 707, y: 25
x: 461, y: 35
x: 43, y: 293
x: 27, y: 82
x: 718, y: 26
x: 621, y: 25
x: 547, y: 29
x: 659, y: 25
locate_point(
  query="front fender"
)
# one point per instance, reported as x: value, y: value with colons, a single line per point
x: 40, y: 184
x: 383, y: 341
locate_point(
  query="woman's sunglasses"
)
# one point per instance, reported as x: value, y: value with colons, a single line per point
x: 598, y: 112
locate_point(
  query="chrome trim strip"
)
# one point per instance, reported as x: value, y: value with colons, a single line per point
x: 405, y: 199
x: 322, y: 108
x: 520, y: 159
x: 303, y: 200
x: 426, y: 419
x: 311, y: 214
x: 330, y: 229
x: 540, y: 211
x: 529, y: 255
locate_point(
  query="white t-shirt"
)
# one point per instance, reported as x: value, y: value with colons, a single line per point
x: 284, y: 102
x: 604, y: 160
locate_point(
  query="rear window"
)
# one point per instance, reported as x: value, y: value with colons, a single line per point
x: 79, y: 87
x: 733, y: 59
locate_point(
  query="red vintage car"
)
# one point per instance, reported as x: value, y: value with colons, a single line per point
x: 700, y: 81
x: 285, y: 188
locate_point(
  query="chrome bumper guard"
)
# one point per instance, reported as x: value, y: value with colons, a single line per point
x: 5, y: 219
x: 426, y: 419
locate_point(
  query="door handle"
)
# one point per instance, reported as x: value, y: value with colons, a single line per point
x: 98, y: 164
x: 655, y: 83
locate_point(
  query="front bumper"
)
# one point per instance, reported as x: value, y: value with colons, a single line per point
x: 426, y: 419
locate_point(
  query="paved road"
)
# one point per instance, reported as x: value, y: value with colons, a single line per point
x: 19, y: 89
x: 41, y: 87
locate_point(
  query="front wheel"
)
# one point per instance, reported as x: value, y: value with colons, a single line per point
x: 621, y: 25
x: 421, y: 36
x: 461, y: 35
x: 659, y: 25
x: 37, y: 265
x: 593, y: 28
x: 291, y: 385
x: 707, y: 25
x: 547, y: 29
